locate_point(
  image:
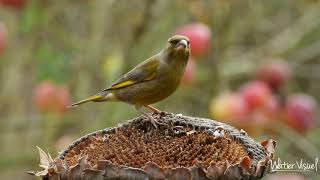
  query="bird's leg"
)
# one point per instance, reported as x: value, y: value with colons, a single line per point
x: 155, y: 110
x: 152, y: 120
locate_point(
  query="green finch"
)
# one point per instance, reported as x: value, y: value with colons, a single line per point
x: 151, y: 81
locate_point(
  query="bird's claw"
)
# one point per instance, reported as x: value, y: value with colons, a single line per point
x: 151, y: 120
x: 154, y: 122
x: 162, y: 113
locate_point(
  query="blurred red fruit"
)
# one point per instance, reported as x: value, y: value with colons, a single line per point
x: 272, y: 108
x: 265, y: 117
x: 229, y: 107
x: 189, y: 73
x: 44, y: 96
x: 19, y: 4
x: 3, y: 37
x: 199, y: 35
x: 256, y: 93
x: 49, y: 98
x: 63, y: 99
x: 301, y: 112
x: 275, y: 73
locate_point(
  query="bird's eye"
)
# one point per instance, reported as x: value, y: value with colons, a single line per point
x: 174, y: 41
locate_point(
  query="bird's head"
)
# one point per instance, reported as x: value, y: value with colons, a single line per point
x: 178, y: 46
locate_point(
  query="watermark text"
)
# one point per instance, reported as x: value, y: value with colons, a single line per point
x: 301, y: 165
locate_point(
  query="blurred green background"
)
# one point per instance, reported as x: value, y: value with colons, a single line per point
x: 56, y: 52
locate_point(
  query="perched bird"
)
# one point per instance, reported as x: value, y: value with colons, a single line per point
x: 151, y: 81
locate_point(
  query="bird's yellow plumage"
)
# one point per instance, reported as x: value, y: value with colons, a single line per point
x: 123, y: 84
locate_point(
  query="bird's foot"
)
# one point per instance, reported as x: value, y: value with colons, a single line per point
x: 154, y: 122
x: 163, y: 113
x: 151, y: 120
x: 149, y: 117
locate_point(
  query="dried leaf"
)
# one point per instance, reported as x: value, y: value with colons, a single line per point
x: 246, y: 163
x: 45, y: 160
x: 264, y: 143
x: 39, y: 173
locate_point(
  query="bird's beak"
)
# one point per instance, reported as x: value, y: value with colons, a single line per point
x: 183, y: 43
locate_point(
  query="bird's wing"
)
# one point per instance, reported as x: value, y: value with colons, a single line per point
x: 145, y: 71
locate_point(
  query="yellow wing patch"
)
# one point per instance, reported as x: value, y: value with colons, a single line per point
x: 130, y: 82
x: 123, y: 84
x: 146, y: 71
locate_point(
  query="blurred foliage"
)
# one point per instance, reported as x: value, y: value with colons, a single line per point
x: 85, y: 45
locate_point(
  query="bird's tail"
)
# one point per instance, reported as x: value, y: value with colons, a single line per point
x: 91, y: 98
